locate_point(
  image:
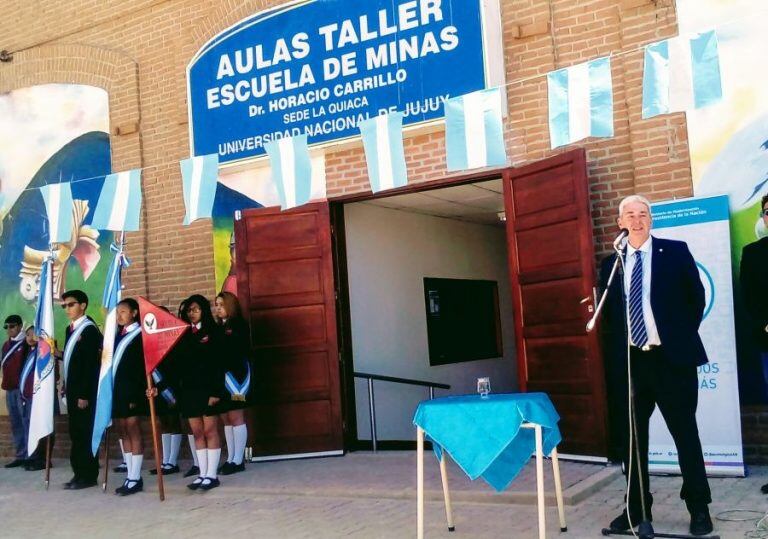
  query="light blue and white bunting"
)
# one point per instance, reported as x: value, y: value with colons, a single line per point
x: 474, y: 132
x: 682, y: 73
x: 110, y: 299
x: 291, y: 170
x: 384, y: 153
x: 580, y: 102
x: 200, y: 176
x: 119, y: 205
x: 58, y: 207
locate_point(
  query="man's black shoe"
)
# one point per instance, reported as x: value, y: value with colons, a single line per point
x: 16, y: 463
x: 35, y: 465
x: 78, y: 485
x: 701, y: 523
x: 764, y: 489
x: 194, y: 470
x: 68, y: 484
x: 621, y: 522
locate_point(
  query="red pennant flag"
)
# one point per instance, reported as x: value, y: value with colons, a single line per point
x: 160, y: 331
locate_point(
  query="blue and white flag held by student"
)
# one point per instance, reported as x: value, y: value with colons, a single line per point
x: 44, y: 387
x: 291, y: 170
x: 200, y: 176
x: 681, y: 73
x: 474, y: 133
x: 384, y: 153
x: 58, y: 207
x: 119, y: 206
x: 580, y: 102
x: 112, y: 294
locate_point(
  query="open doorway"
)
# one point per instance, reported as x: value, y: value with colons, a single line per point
x: 429, y: 300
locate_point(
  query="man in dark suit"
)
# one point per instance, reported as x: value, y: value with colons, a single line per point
x: 82, y: 361
x: 754, y: 290
x: 656, y: 303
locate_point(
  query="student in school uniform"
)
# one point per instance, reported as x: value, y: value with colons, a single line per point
x: 201, y: 387
x: 14, y: 353
x: 129, y: 402
x: 82, y: 362
x: 235, y: 345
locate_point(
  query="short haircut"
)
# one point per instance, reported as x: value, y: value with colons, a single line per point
x: 78, y: 295
x: 762, y: 203
x: 633, y: 198
x: 231, y: 304
x: 13, y: 319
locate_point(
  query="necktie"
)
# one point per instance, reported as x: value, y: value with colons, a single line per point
x: 636, y: 321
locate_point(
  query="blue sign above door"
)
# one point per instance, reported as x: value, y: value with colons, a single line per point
x: 319, y: 67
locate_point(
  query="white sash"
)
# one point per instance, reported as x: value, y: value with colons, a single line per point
x: 10, y: 352
x: 28, y: 366
x: 69, y: 348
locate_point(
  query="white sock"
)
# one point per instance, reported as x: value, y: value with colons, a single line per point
x: 134, y: 468
x: 122, y: 450
x: 128, y: 457
x: 241, y: 438
x: 202, y: 458
x: 166, y: 441
x: 191, y: 440
x: 173, y: 459
x: 230, y: 437
x: 214, y: 455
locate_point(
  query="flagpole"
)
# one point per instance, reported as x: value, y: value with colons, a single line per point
x: 48, y: 460
x: 106, y: 459
x: 53, y: 358
x: 153, y: 421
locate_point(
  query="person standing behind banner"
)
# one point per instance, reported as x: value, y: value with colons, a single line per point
x: 201, y: 387
x: 754, y: 289
x: 129, y: 401
x: 665, y: 304
x: 36, y: 460
x: 237, y: 381
x: 82, y: 362
x: 13, y: 355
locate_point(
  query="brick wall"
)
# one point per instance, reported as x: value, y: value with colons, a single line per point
x: 138, y: 50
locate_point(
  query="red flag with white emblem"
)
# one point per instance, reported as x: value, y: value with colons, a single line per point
x: 160, y: 331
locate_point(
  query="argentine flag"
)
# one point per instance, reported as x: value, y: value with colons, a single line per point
x: 119, y: 206
x: 44, y: 387
x: 199, y: 176
x: 580, y: 102
x: 474, y: 134
x: 111, y: 298
x: 291, y: 170
x: 681, y: 73
x: 58, y: 207
x: 384, y: 153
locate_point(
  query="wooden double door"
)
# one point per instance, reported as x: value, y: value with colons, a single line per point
x: 288, y: 283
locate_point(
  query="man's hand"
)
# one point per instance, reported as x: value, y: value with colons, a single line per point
x: 212, y: 400
x: 82, y: 404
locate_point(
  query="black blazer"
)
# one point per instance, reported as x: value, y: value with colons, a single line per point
x: 235, y: 345
x: 753, y: 277
x: 677, y: 302
x: 83, y: 375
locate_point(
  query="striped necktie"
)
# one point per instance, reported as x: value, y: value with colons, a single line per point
x: 636, y: 320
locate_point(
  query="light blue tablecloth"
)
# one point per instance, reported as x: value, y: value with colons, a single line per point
x: 483, y: 435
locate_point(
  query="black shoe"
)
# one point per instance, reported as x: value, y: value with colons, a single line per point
x: 121, y: 488
x: 132, y: 487
x: 764, y: 489
x: 16, y: 463
x: 68, y: 485
x: 209, y: 483
x: 194, y: 470
x: 194, y: 485
x: 79, y: 485
x: 621, y: 522
x: 224, y: 468
x: 35, y: 465
x: 122, y: 468
x: 236, y: 468
x: 701, y: 523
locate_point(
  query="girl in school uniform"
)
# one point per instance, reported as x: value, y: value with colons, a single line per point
x: 201, y: 387
x: 235, y: 344
x: 129, y: 402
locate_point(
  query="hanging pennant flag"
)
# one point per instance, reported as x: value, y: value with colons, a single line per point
x: 291, y: 170
x: 160, y: 331
x: 383, y: 143
x: 44, y: 385
x: 580, y: 102
x: 681, y: 73
x: 119, y: 206
x: 474, y: 132
x: 112, y: 295
x: 58, y: 207
x: 200, y: 177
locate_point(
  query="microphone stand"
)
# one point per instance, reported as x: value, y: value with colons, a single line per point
x: 645, y: 528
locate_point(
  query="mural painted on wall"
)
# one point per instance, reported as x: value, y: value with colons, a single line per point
x: 729, y: 141
x: 52, y: 133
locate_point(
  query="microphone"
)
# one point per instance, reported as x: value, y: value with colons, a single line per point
x: 621, y: 240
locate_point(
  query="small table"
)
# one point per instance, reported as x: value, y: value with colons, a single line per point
x: 490, y: 437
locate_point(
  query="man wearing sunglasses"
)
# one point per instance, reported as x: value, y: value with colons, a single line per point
x: 754, y: 290
x: 13, y: 354
x: 81, y: 358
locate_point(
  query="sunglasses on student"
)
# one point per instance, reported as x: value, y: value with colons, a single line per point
x: 68, y: 304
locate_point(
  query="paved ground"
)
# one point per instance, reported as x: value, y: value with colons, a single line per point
x: 359, y: 495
